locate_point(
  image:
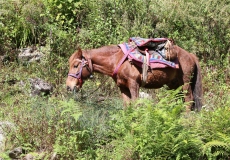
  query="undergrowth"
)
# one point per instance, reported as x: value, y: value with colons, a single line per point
x: 86, y: 128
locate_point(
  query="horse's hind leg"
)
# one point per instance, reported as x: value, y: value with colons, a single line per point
x: 188, y: 96
x: 134, y: 89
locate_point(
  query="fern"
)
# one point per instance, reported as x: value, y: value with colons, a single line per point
x: 214, y: 149
x: 223, y: 137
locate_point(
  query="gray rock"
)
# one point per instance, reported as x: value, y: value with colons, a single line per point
x: 144, y: 95
x: 30, y: 54
x: 29, y: 157
x: 4, y: 127
x: 2, y: 138
x: 16, y: 153
x: 39, y: 86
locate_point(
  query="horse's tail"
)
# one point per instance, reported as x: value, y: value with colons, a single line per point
x: 197, y: 88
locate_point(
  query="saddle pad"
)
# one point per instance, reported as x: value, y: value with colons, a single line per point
x: 135, y: 55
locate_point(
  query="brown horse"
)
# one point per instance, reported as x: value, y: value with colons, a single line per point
x: 129, y: 77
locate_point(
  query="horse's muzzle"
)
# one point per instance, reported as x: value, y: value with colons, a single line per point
x: 74, y: 90
x: 68, y: 89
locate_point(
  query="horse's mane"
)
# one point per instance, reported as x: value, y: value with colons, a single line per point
x: 110, y: 49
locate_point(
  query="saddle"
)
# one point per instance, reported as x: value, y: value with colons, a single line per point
x: 152, y: 46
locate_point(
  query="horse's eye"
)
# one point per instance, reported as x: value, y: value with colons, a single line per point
x: 75, y: 66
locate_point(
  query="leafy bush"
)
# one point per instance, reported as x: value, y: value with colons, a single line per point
x: 21, y: 23
x: 66, y: 14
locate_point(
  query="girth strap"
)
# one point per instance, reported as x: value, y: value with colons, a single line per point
x: 145, y: 67
x: 121, y: 62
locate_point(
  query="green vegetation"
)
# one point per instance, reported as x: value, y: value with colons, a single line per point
x: 84, y: 127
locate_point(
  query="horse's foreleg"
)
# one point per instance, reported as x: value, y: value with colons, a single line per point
x: 126, y: 96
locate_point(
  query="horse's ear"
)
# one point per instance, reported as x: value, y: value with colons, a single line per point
x: 78, y: 48
x: 78, y: 53
x: 172, y: 41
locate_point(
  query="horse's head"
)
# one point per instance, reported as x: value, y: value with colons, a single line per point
x: 170, y: 51
x: 79, y: 70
